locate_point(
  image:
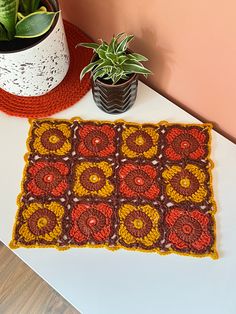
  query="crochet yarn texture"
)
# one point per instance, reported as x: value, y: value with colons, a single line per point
x: 66, y: 94
x: 145, y: 187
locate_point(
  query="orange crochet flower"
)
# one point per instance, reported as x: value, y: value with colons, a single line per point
x: 188, y: 142
x: 189, y: 230
x: 91, y: 222
x: 92, y: 179
x: 96, y: 140
x: 48, y: 178
x: 139, y: 142
x: 138, y: 181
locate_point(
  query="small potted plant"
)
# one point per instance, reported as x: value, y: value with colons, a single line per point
x: 114, y: 73
x: 34, y: 56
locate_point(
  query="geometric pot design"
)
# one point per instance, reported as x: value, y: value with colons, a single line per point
x: 35, y: 70
x: 115, y: 99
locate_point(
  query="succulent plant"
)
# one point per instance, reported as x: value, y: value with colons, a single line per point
x: 23, y: 19
x: 113, y: 61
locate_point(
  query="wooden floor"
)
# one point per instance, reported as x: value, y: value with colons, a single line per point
x: 24, y: 292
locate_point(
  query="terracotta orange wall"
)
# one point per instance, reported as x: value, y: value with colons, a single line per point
x: 191, y: 46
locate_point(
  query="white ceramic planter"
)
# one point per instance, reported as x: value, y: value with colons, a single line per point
x: 36, y: 70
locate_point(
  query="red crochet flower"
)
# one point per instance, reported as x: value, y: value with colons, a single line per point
x: 48, y: 178
x: 138, y: 181
x: 91, y: 222
x: 188, y: 230
x: 96, y: 140
x: 186, y: 143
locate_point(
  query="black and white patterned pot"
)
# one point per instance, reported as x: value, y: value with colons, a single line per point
x: 36, y: 70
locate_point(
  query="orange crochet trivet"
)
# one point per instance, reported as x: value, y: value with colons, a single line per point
x: 65, y: 94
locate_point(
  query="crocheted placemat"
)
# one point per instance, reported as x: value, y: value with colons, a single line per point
x: 144, y: 187
x: 66, y: 94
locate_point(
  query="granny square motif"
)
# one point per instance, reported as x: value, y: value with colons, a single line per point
x: 145, y: 187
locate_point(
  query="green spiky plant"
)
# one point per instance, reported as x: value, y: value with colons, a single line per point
x: 23, y: 19
x: 113, y: 62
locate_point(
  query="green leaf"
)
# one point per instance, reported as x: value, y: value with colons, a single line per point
x: 89, y: 68
x: 133, y: 61
x: 123, y: 44
x: 3, y: 33
x: 110, y: 56
x: 118, y: 36
x: 106, y: 78
x: 116, y: 78
x: 103, y: 64
x: 29, y: 6
x: 137, y: 57
x: 118, y: 70
x: 104, y: 45
x: 8, y: 15
x: 99, y: 73
x: 114, y: 42
x: 110, y: 48
x: 35, y: 24
x: 93, y: 46
x: 124, y: 77
x: 101, y: 53
x: 112, y: 45
x: 134, y: 68
x: 122, y: 59
x: 35, y: 5
x: 42, y: 9
x: 20, y: 16
x: 112, y: 74
x: 25, y: 6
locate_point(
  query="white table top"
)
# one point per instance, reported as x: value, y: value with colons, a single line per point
x: 98, y: 281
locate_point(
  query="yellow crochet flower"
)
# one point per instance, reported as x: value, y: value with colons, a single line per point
x: 185, y: 184
x: 138, y: 225
x: 139, y: 142
x: 92, y: 179
x: 52, y: 138
x: 42, y: 222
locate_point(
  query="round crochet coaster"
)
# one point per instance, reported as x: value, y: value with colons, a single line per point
x: 66, y: 94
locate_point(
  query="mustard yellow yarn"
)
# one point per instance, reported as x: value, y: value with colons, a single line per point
x: 41, y: 149
x: 127, y: 237
x: 25, y: 231
x: 128, y: 152
x: 105, y: 191
x: 197, y: 196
